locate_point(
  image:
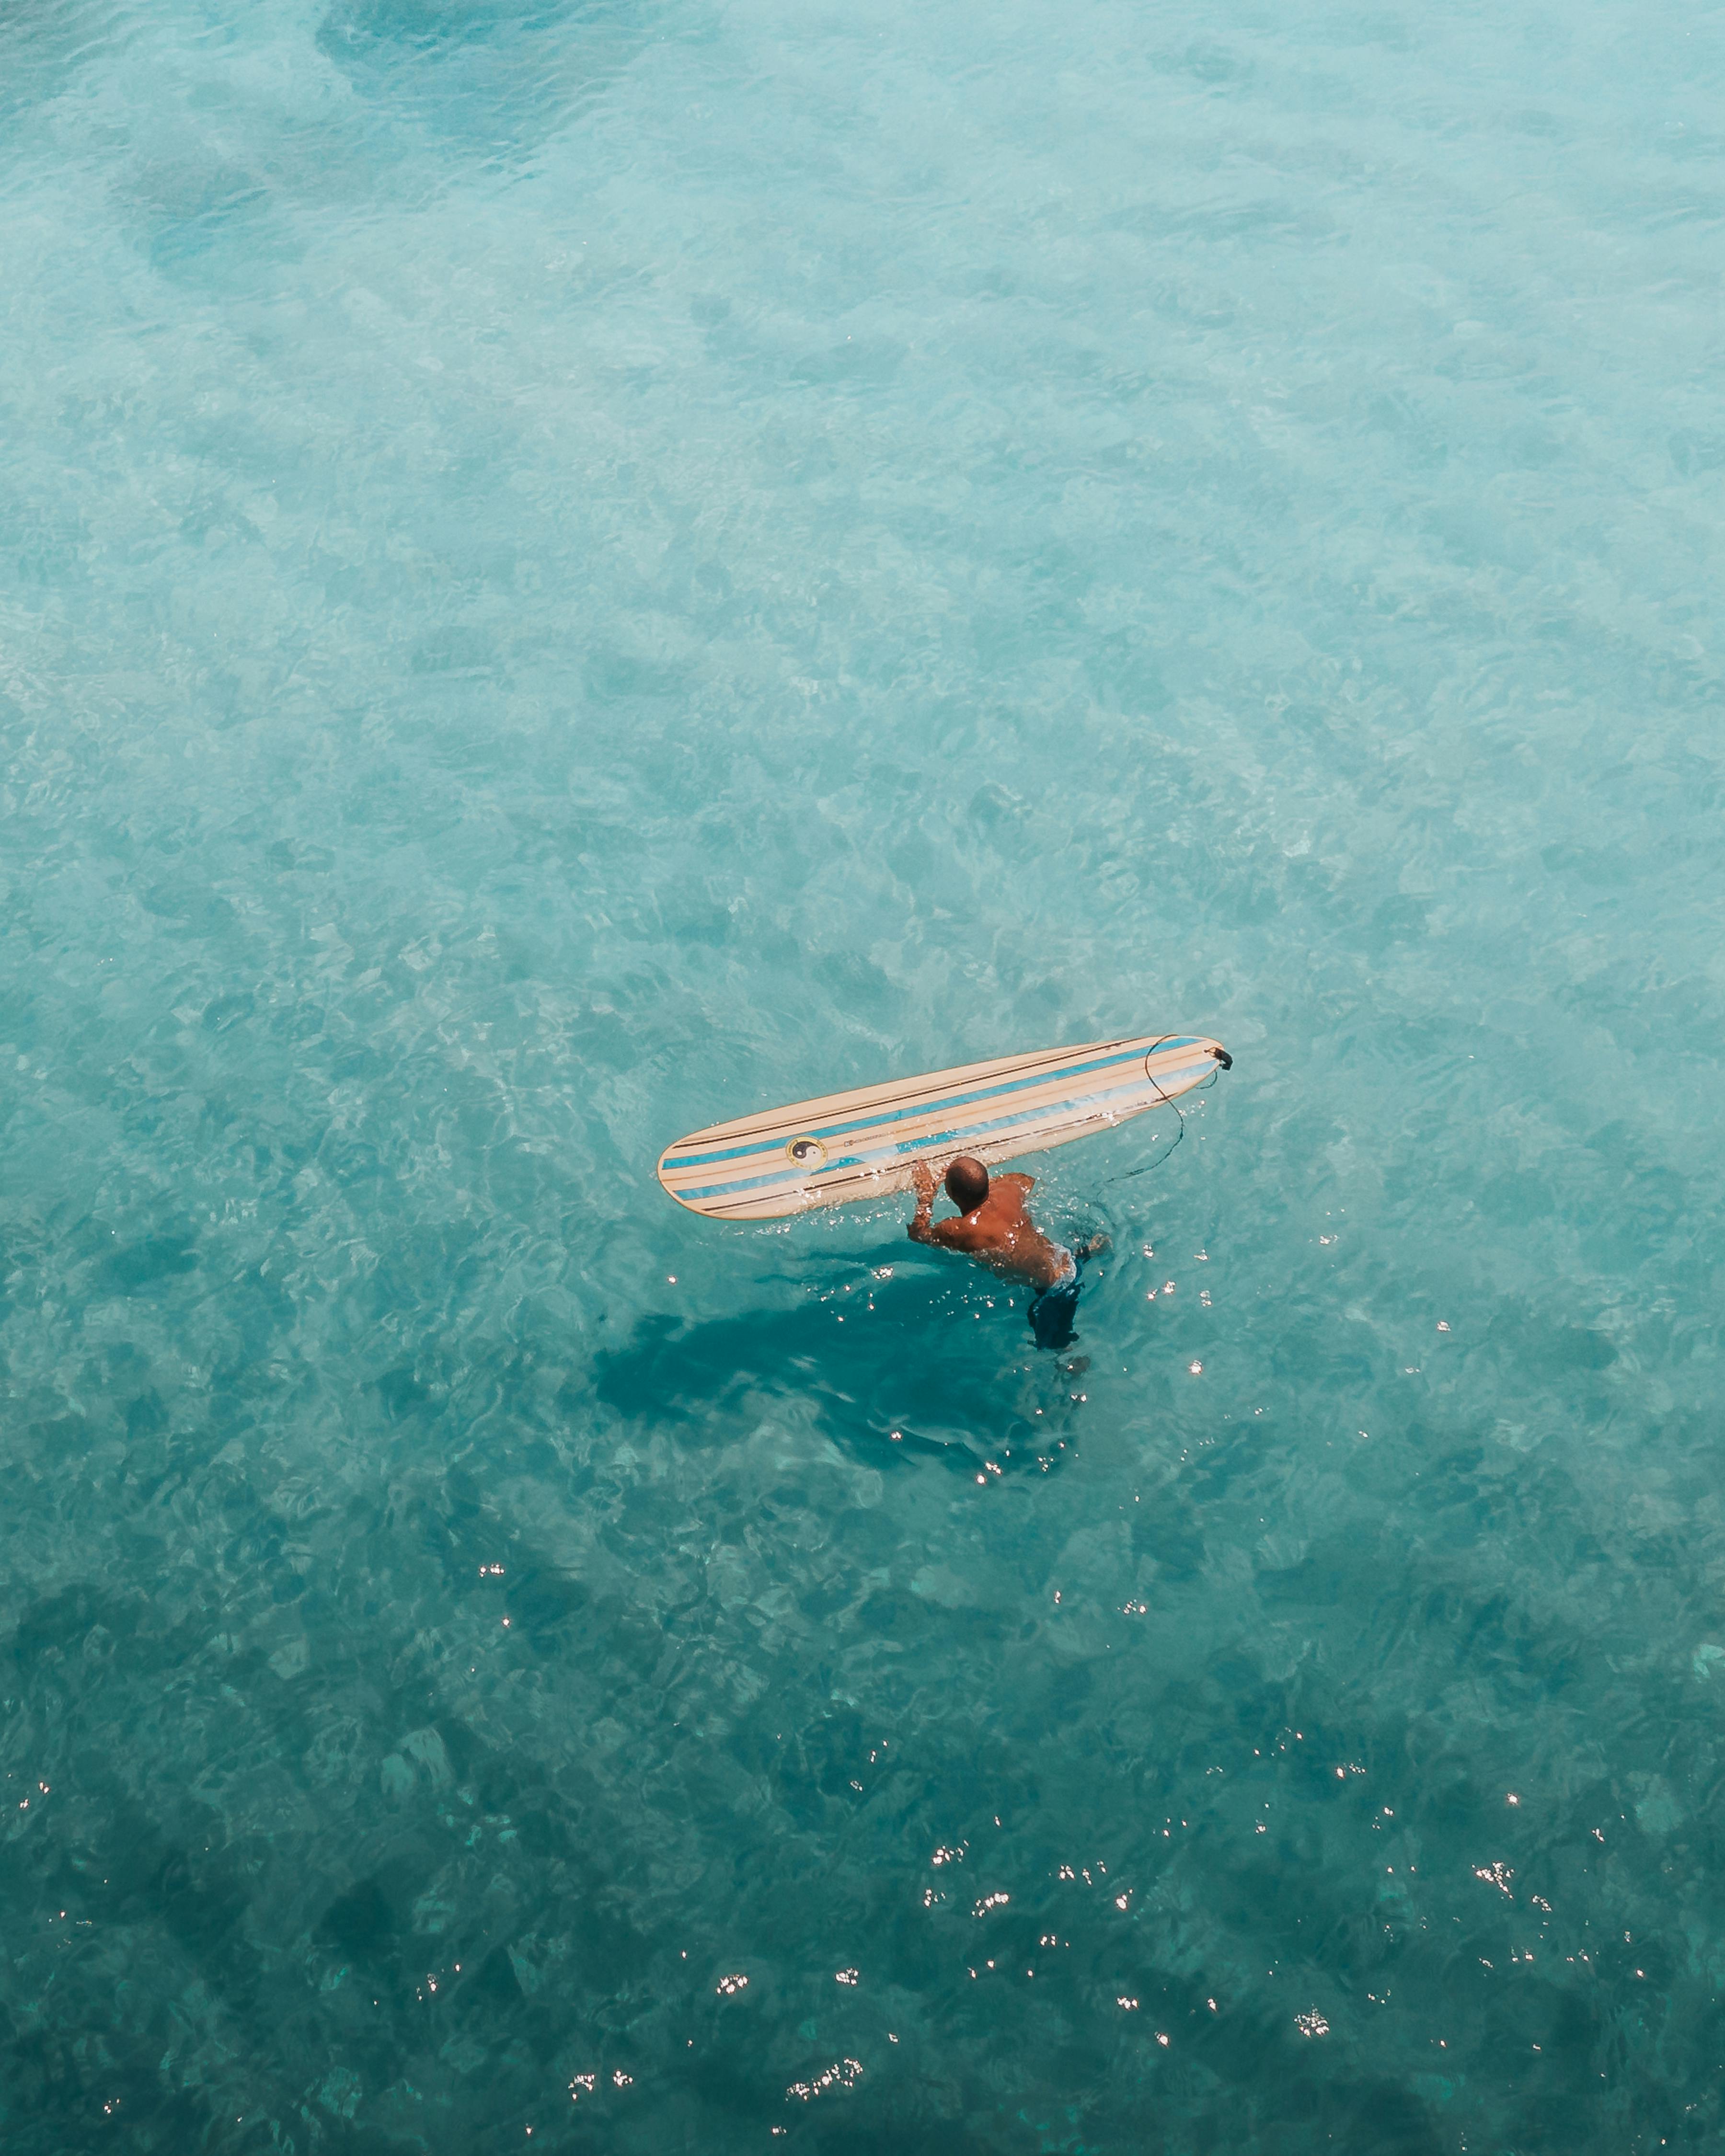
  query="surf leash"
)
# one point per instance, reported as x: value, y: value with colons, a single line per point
x: 1167, y: 1101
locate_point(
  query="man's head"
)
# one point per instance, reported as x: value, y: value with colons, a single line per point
x: 967, y: 1183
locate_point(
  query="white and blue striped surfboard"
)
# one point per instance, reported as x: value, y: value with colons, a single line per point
x: 865, y: 1143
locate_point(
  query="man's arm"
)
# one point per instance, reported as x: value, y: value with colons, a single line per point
x: 941, y: 1234
x: 921, y: 1229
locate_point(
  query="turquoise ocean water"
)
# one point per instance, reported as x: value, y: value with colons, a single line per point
x: 567, y: 571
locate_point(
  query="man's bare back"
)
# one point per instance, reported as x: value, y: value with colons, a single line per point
x: 998, y: 1230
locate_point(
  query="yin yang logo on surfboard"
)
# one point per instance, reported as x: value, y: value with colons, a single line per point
x: 808, y: 1153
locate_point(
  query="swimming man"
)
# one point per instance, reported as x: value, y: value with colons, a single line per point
x: 995, y: 1225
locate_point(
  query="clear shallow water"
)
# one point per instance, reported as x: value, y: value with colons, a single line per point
x: 569, y: 570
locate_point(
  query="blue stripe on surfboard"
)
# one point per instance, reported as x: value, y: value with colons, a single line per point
x: 730, y: 1190
x: 962, y: 1100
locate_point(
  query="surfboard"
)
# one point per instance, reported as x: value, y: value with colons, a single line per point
x: 865, y: 1143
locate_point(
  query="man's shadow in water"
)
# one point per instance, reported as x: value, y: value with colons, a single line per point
x: 910, y: 1364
